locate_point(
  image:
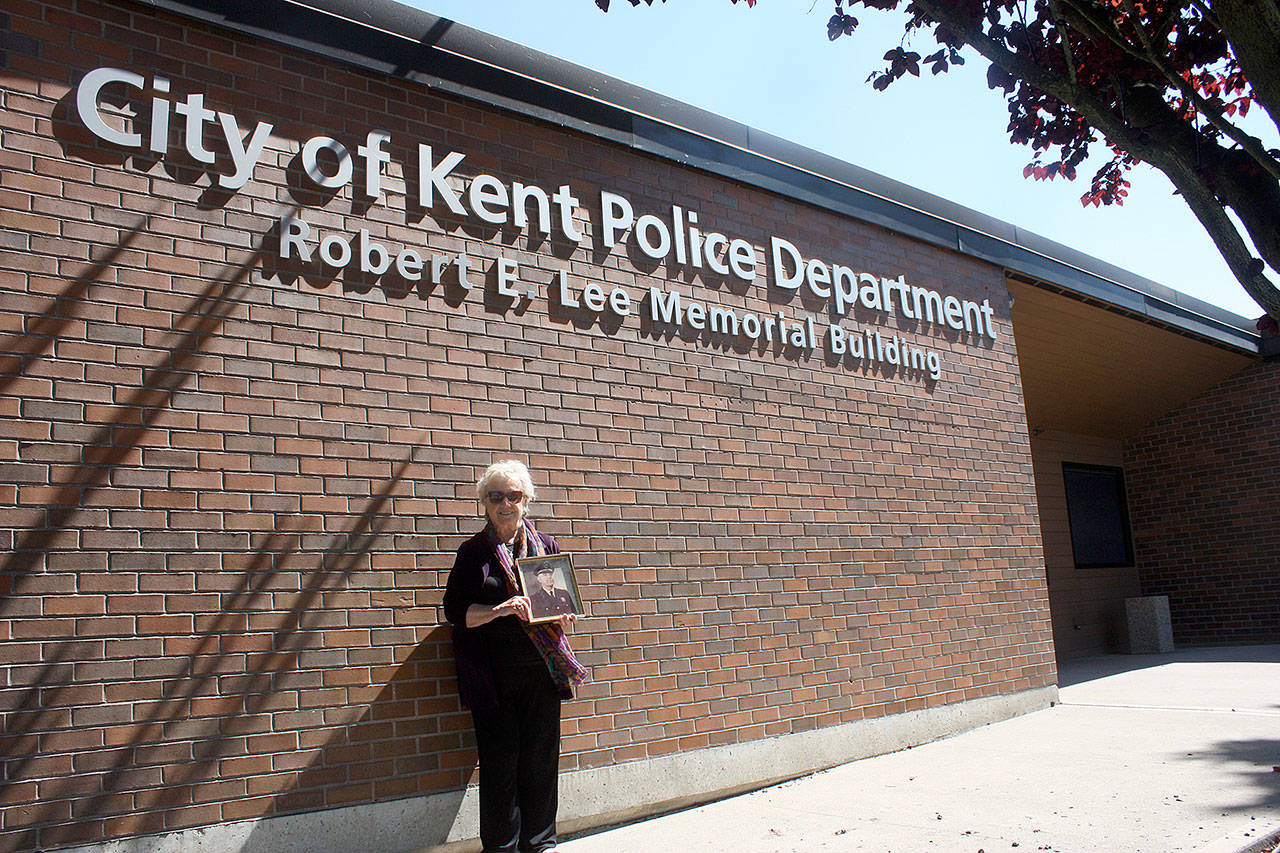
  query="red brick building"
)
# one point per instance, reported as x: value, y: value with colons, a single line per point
x: 277, y: 286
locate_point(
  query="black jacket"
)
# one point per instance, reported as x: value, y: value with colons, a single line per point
x: 477, y: 578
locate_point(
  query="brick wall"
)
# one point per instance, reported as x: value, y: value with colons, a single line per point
x: 1204, y: 497
x: 230, y: 488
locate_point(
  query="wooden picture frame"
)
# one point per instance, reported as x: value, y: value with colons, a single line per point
x: 547, y: 604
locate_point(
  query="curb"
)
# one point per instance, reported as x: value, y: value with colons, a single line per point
x: 1265, y: 842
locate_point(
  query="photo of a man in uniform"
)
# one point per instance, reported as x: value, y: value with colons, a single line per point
x: 549, y: 584
x: 547, y: 599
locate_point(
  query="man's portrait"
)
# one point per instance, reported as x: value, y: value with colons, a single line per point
x: 550, y: 586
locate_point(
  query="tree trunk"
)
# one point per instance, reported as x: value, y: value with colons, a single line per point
x: 1253, y: 29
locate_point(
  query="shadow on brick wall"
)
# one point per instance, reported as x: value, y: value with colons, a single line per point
x: 144, y: 772
x: 77, y: 770
x: 39, y: 335
x: 45, y: 721
x: 121, y: 432
x: 411, y: 740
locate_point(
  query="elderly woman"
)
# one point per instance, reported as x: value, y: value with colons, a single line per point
x: 511, y: 674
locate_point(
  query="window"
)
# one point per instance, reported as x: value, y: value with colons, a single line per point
x: 1098, y: 513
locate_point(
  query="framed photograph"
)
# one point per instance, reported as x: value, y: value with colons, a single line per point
x: 550, y: 585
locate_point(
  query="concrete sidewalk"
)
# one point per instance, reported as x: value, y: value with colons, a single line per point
x: 1145, y: 753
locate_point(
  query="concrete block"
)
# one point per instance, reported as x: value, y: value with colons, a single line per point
x: 1149, y: 625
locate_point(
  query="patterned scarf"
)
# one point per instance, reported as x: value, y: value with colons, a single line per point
x: 548, y: 637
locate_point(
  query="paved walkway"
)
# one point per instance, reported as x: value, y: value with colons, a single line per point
x: 1144, y: 753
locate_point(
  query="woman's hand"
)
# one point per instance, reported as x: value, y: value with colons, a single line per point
x: 481, y: 614
x: 567, y: 620
x: 516, y: 605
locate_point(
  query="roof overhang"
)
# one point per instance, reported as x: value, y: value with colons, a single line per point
x: 1091, y: 368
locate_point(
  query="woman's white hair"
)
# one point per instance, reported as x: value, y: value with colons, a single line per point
x: 509, y: 469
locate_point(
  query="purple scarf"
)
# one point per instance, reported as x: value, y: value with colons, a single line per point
x: 548, y: 637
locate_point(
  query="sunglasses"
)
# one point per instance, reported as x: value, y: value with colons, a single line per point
x: 496, y: 497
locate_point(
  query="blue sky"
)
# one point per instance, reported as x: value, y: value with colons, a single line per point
x: 773, y: 68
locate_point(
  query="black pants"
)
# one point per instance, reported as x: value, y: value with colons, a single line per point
x: 519, y: 748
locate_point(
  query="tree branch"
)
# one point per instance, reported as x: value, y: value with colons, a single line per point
x: 1158, y: 136
x: 1149, y: 55
x: 1247, y: 270
x: 1251, y: 144
x: 1064, y: 35
x: 1102, y: 26
x: 1046, y: 80
x: 1207, y: 11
